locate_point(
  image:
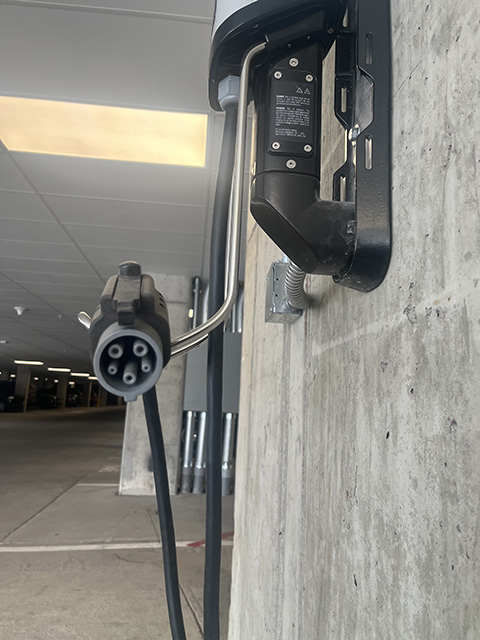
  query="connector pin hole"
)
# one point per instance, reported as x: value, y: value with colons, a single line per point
x: 113, y: 368
x: 140, y: 348
x: 146, y: 364
x: 130, y: 373
x: 116, y: 350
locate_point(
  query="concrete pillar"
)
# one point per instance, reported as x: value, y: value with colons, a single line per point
x: 87, y: 392
x: 22, y: 383
x: 62, y: 388
x: 136, y: 475
x: 102, y: 396
x: 358, y: 475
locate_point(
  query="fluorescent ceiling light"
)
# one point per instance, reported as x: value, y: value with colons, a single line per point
x: 80, y: 375
x: 92, y: 378
x: 96, y: 131
x: 59, y: 369
x: 30, y: 362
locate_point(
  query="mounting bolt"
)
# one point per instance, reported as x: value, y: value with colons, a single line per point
x: 307, y: 148
x: 291, y: 164
x: 293, y: 62
x: 275, y: 145
x: 354, y: 133
x: 309, y: 77
x: 277, y: 75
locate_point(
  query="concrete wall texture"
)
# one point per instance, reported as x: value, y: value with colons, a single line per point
x: 136, y: 474
x: 358, y: 469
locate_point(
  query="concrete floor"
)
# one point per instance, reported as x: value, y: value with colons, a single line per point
x: 76, y: 560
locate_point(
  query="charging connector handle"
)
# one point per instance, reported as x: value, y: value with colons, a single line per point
x: 192, y: 338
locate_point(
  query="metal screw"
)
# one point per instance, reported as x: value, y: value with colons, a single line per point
x: 309, y: 77
x: 307, y: 148
x: 354, y: 133
x: 275, y: 145
x: 291, y: 164
x: 277, y: 75
x: 293, y: 62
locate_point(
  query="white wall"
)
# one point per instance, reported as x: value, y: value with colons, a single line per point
x: 358, y: 469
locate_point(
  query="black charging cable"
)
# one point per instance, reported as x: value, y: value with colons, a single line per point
x: 164, y: 514
x: 213, y: 444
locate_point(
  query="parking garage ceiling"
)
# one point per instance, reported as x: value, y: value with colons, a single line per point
x: 67, y: 222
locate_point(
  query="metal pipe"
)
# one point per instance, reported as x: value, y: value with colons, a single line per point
x: 227, y: 456
x: 188, y: 340
x: 294, y: 291
x: 186, y: 478
x: 196, y: 291
x: 240, y: 304
x: 199, y: 469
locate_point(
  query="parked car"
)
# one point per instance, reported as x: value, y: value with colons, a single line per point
x: 11, y: 404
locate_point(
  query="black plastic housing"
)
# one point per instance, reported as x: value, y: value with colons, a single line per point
x: 348, y: 237
x: 132, y: 319
x: 282, y: 24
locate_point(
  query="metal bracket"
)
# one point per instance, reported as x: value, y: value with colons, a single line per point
x: 363, y: 106
x: 277, y: 307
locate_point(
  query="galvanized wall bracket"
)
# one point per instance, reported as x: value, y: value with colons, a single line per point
x: 277, y: 307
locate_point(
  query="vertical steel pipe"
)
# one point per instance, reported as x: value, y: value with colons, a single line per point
x: 187, y: 465
x: 199, y: 469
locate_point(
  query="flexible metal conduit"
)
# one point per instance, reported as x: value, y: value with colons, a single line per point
x: 295, y: 293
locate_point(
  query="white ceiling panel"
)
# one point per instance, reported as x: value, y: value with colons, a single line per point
x: 28, y: 230
x: 37, y: 280
x: 24, y: 206
x: 150, y: 260
x: 39, y: 250
x: 106, y: 58
x: 127, y: 215
x: 67, y: 223
x: 14, y: 264
x: 61, y: 175
x: 187, y: 9
x: 132, y: 239
x: 10, y: 177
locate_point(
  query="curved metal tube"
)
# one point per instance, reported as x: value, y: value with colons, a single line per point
x: 294, y: 291
x: 194, y: 337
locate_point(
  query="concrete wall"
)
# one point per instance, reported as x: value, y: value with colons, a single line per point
x: 136, y: 476
x: 358, y: 468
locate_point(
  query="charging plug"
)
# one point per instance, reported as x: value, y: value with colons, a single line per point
x: 130, y: 333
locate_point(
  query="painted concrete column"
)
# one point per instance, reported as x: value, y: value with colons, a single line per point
x: 62, y: 388
x: 87, y: 392
x: 22, y: 383
x: 136, y: 475
x: 102, y: 396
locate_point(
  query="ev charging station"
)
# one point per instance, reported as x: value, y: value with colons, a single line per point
x: 269, y: 52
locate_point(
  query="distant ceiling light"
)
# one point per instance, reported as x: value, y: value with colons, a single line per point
x: 59, y: 369
x: 36, y: 378
x: 97, y: 131
x: 190, y: 313
x: 20, y: 310
x: 71, y: 384
x: 12, y: 375
x: 92, y: 378
x: 33, y: 363
x: 80, y: 375
x: 3, y: 341
x: 55, y: 382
